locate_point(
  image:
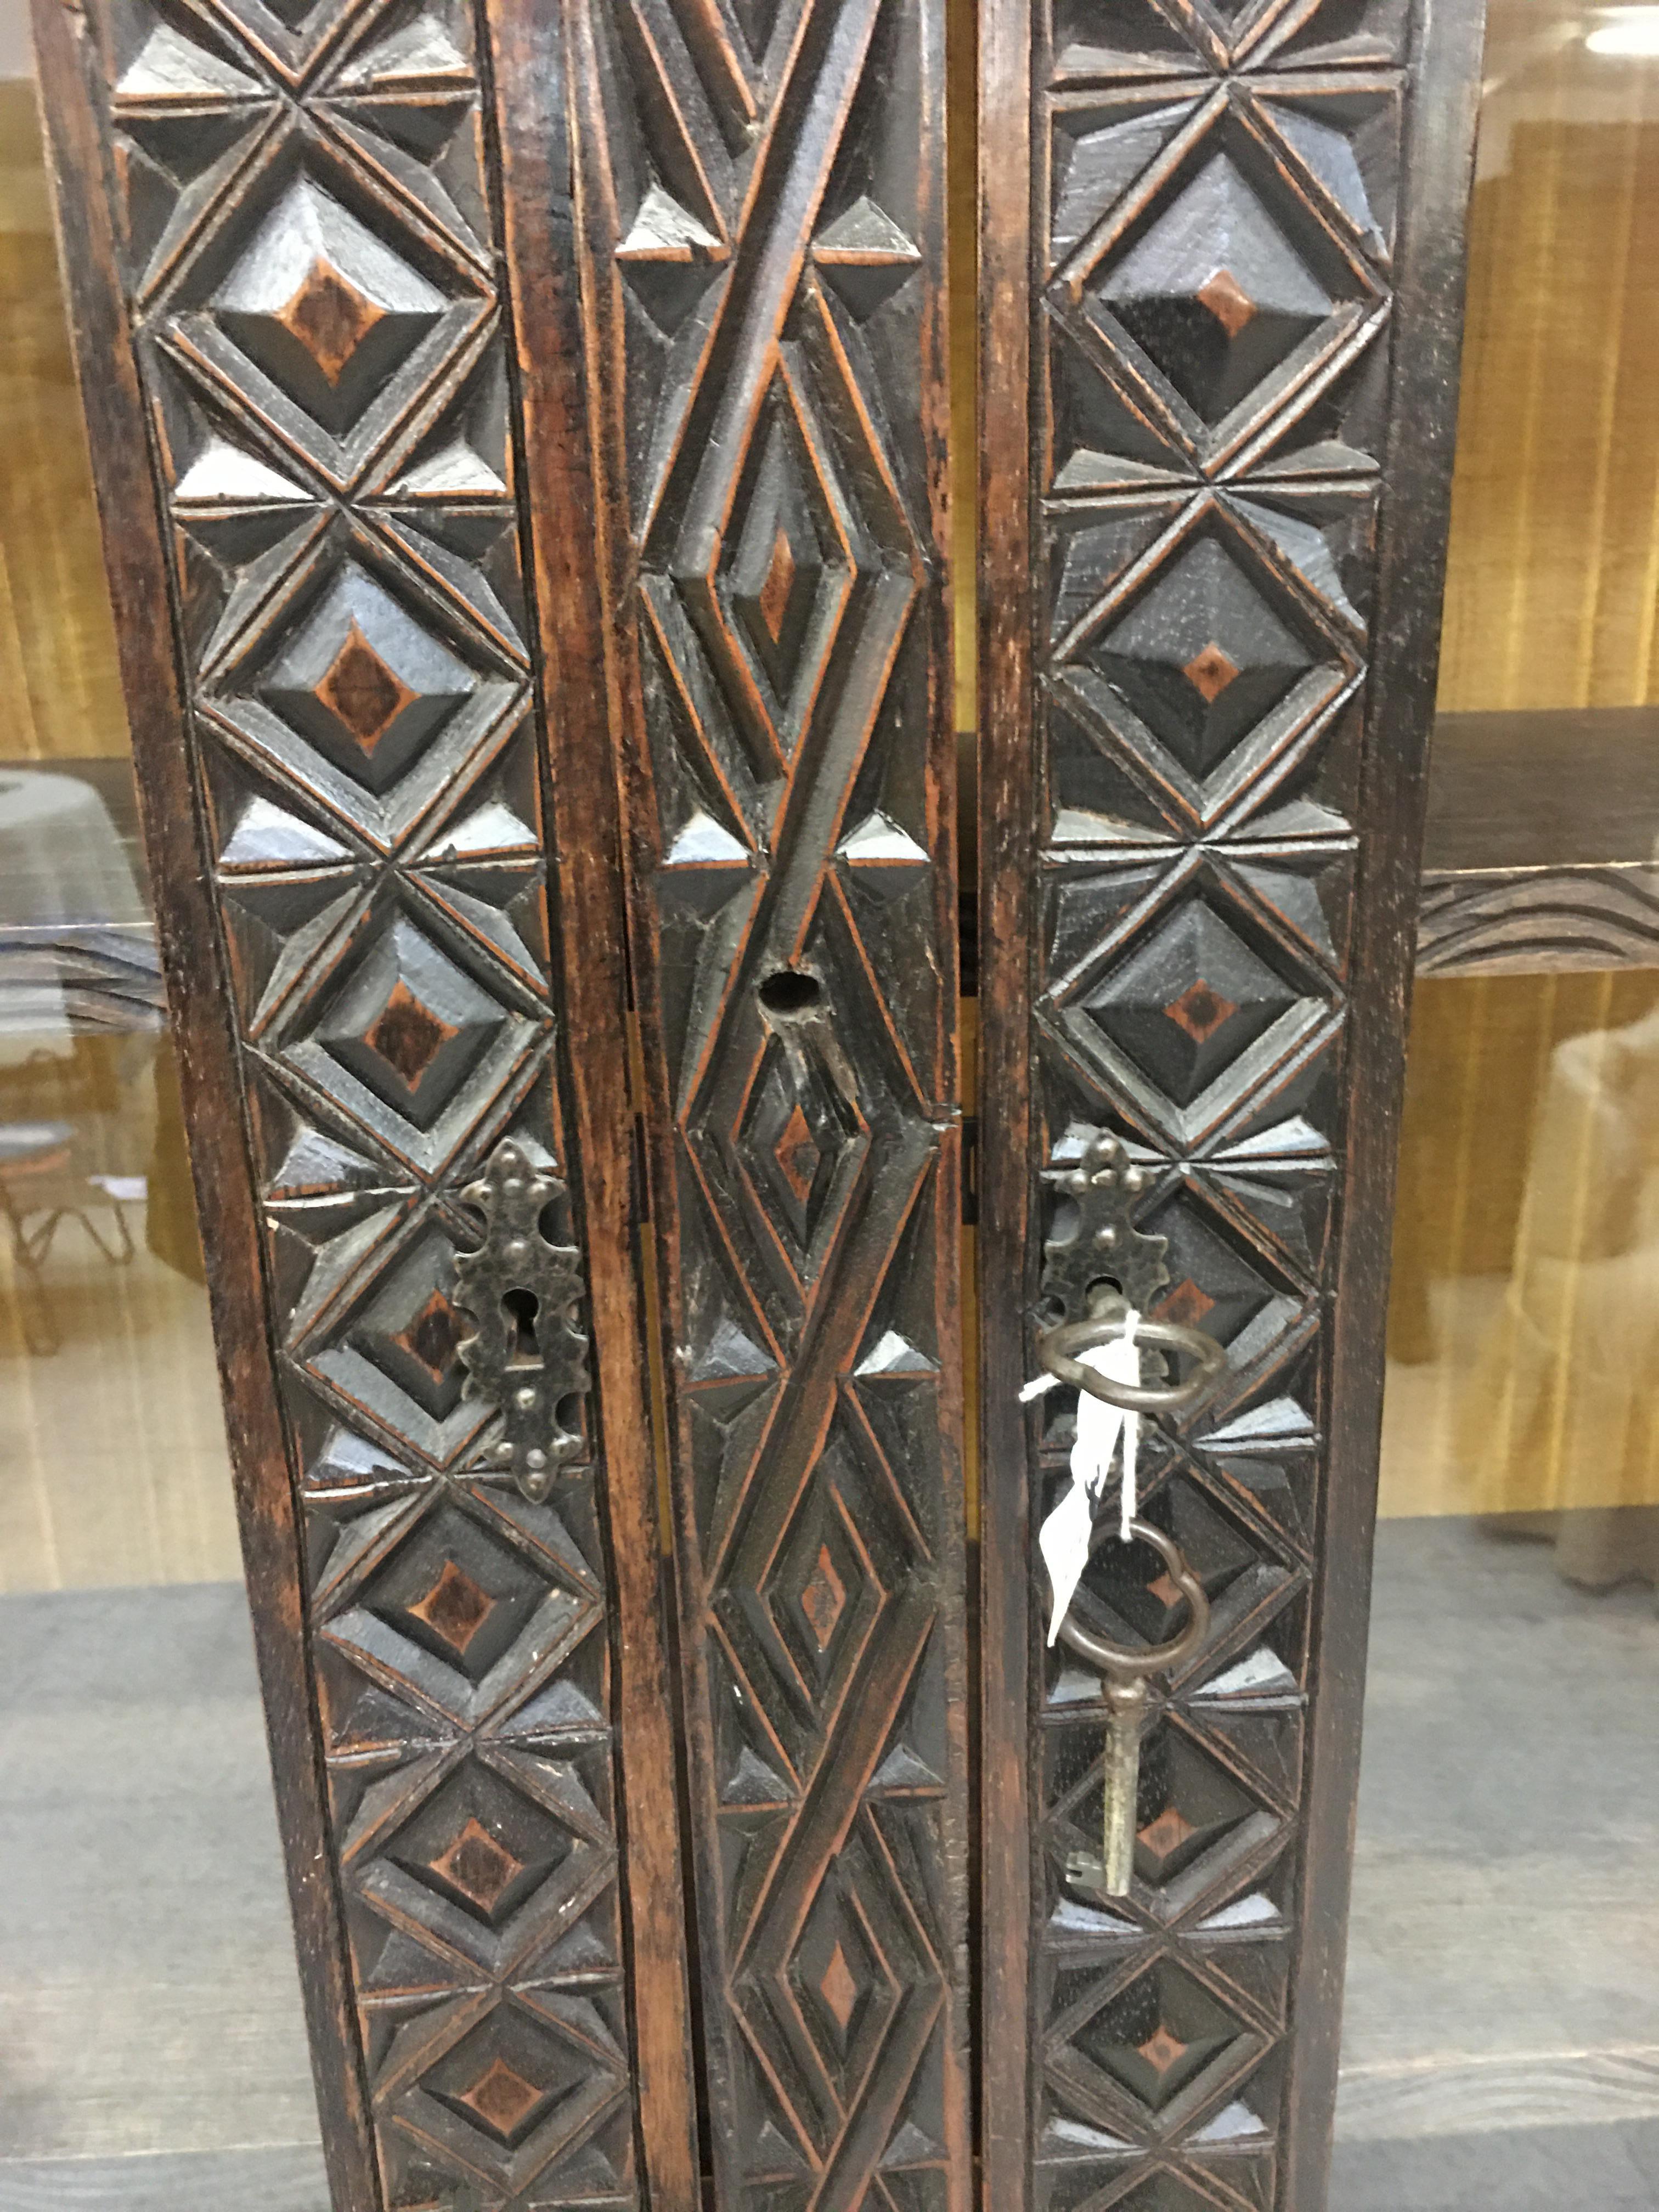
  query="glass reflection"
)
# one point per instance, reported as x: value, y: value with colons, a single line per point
x: 152, y: 2050
x: 1501, y: 2040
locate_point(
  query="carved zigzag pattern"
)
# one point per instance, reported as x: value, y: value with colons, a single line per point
x: 770, y: 198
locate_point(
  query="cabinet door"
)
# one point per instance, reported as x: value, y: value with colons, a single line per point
x: 349, y: 527
x: 519, y: 434
x: 1220, y: 272
x: 760, y: 218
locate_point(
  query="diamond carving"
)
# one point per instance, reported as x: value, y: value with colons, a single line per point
x: 327, y: 310
x: 798, y: 1158
x: 838, y: 1988
x: 506, y: 2077
x: 409, y: 1024
x: 478, y: 1869
x: 329, y: 318
x: 1213, y: 292
x: 407, y: 1036
x: 1187, y: 1001
x: 1210, y: 673
x: 1201, y: 656
x: 1210, y: 414
x: 800, y: 1140
x: 781, y: 474
x: 785, y: 572
x: 1218, y: 1278
x: 364, y: 696
x: 505, y: 2102
x: 1161, y: 2035
x: 362, y: 681
x: 491, y: 1860
x: 1227, y: 302
x: 824, y: 1599
x: 1186, y: 1305
x: 456, y: 1592
x: 840, y: 1978
x: 820, y: 1587
x: 518, y: 2092
x: 312, y: 258
x: 454, y: 1609
x: 1200, y: 1010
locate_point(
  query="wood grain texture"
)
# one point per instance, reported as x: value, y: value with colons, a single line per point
x: 530, y: 74
x: 1539, y: 853
x: 297, y: 274
x: 1526, y: 921
x: 1221, y: 664
x: 760, y: 241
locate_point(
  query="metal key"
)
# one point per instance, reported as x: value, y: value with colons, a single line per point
x: 1099, y: 1265
x: 1126, y: 1672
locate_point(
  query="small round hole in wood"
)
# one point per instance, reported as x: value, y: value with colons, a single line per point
x: 790, y: 991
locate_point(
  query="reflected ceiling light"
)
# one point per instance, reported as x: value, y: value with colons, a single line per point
x: 1625, y: 31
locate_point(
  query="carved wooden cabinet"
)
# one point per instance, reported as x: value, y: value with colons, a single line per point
x: 521, y: 439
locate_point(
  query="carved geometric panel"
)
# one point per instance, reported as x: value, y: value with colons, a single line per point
x: 1210, y: 236
x: 311, y: 268
x: 773, y: 241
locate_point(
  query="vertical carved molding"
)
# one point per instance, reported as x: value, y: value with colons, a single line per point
x: 304, y: 268
x: 1198, y: 721
x: 760, y: 215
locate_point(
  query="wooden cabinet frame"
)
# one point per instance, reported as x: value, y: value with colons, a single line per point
x: 520, y: 434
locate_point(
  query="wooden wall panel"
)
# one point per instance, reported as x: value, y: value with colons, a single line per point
x: 280, y: 229
x: 760, y: 205
x: 1220, y: 273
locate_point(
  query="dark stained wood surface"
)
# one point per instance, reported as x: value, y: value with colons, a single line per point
x: 530, y: 70
x: 316, y: 485
x: 760, y: 210
x: 1438, y: 149
x: 1224, y: 312
x: 1557, y: 788
x: 1542, y: 846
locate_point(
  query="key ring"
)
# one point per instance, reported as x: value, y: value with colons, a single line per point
x: 1056, y: 1347
x: 1139, y: 1661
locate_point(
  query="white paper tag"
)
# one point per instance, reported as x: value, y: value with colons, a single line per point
x: 1063, y: 1539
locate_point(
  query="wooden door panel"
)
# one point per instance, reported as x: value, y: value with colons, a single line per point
x: 760, y: 198
x: 1220, y: 272
x: 296, y: 355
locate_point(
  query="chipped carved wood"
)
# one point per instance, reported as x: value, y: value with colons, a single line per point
x: 1221, y: 255
x: 760, y: 216
x: 282, y: 233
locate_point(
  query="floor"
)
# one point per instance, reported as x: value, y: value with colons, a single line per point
x: 1502, y: 2029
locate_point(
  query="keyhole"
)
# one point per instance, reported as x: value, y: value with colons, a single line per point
x: 521, y: 1308
x: 790, y: 991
